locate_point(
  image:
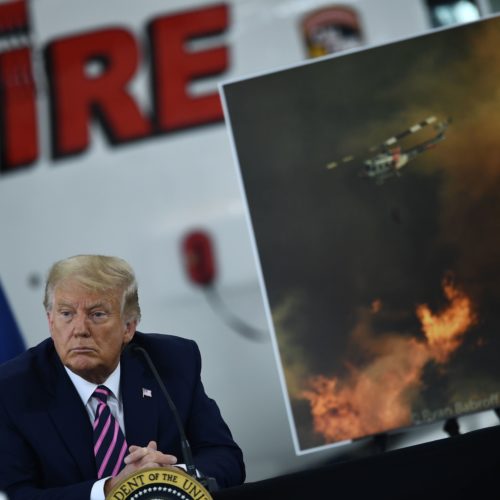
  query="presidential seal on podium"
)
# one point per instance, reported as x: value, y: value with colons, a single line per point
x: 159, y: 484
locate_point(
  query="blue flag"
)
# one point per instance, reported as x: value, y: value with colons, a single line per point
x: 11, y: 341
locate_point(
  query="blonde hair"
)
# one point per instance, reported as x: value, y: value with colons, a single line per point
x: 97, y: 273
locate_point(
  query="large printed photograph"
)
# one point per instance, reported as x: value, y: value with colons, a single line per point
x: 372, y: 180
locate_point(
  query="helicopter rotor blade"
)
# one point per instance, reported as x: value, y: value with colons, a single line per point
x: 334, y: 164
x: 391, y: 141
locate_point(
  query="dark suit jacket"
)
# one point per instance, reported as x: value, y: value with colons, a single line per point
x: 46, y: 434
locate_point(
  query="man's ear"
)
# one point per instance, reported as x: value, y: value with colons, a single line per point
x: 129, y: 333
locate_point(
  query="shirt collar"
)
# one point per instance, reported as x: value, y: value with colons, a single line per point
x: 85, y: 388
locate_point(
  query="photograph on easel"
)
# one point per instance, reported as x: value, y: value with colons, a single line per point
x: 372, y: 183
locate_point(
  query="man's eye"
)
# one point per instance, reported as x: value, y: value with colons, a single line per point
x: 99, y: 315
x: 65, y: 314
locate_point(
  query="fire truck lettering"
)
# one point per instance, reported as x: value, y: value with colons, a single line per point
x: 89, y: 75
x: 76, y: 96
x: 18, y: 117
x: 174, y: 67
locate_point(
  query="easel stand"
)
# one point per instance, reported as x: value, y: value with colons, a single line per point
x: 451, y: 427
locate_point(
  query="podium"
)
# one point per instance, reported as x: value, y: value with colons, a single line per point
x: 465, y: 466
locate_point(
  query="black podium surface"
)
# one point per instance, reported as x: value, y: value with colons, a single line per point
x: 463, y: 466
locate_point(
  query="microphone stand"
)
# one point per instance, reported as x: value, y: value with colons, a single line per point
x: 186, y: 448
x: 208, y: 482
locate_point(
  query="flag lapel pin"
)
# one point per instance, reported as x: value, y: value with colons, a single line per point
x: 146, y: 393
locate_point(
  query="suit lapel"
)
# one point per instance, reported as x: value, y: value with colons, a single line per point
x: 140, y: 407
x: 71, y: 420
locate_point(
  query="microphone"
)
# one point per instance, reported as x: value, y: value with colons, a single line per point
x: 186, y: 447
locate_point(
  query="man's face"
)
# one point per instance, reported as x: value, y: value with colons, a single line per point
x: 88, y: 330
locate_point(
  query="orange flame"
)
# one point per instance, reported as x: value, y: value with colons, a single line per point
x: 444, y: 331
x: 379, y: 396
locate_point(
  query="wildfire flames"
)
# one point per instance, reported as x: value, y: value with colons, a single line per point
x: 444, y: 331
x: 378, y: 397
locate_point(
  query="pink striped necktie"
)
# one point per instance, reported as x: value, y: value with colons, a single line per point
x: 110, y: 445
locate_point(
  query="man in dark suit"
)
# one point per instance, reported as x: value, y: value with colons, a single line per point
x: 82, y: 410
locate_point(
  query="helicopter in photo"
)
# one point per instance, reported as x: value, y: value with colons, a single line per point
x: 389, y: 157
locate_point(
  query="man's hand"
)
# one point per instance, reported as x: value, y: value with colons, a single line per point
x: 140, y: 458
